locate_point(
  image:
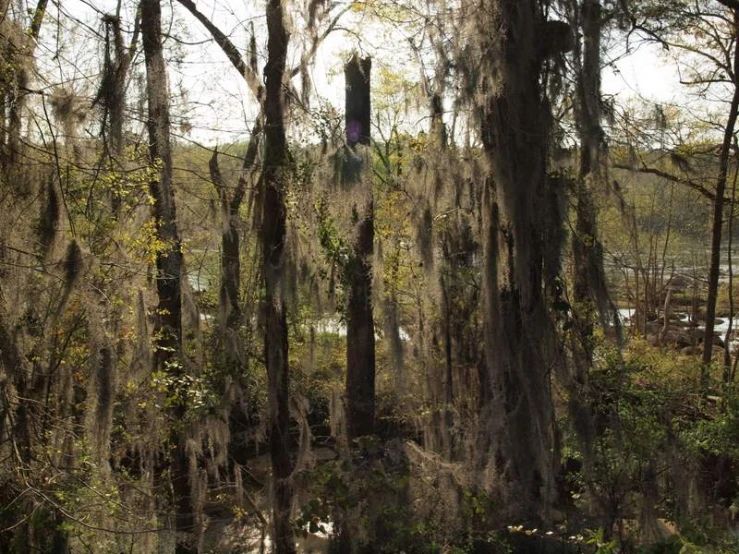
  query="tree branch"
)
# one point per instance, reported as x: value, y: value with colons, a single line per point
x: 228, y: 47
x: 317, y: 40
x: 672, y: 178
x: 38, y: 17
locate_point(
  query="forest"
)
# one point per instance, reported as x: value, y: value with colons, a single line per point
x: 368, y: 276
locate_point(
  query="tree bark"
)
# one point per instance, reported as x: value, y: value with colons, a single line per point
x: 274, y: 221
x: 589, y: 286
x: 520, y: 341
x: 112, y: 94
x: 589, y: 282
x: 360, y: 330
x: 168, y: 326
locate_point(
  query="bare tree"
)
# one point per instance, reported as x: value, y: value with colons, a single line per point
x: 710, y: 61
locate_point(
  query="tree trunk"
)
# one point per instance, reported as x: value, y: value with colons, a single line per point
x: 589, y: 286
x: 168, y: 326
x: 273, y: 244
x: 718, y: 213
x: 112, y: 94
x: 520, y: 342
x: 360, y: 330
x: 589, y: 282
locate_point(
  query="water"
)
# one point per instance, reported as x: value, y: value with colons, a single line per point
x: 336, y: 326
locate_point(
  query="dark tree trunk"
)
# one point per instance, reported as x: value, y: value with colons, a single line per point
x: 360, y: 331
x: 438, y: 128
x: 589, y: 283
x: 589, y: 286
x: 19, y: 431
x: 358, y: 101
x: 718, y: 210
x: 112, y: 94
x: 60, y: 540
x: 229, y: 297
x: 520, y: 342
x: 274, y: 221
x: 168, y: 327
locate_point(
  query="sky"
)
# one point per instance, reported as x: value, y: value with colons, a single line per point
x: 209, y: 96
x: 644, y: 74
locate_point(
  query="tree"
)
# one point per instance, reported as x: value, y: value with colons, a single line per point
x: 111, y: 95
x: 520, y: 342
x: 513, y: 121
x: 732, y: 67
x: 459, y: 235
x: 590, y: 298
x: 710, y: 61
x: 230, y: 290
x: 169, y: 263
x: 360, y: 329
x: 273, y: 236
x: 589, y: 291
x: 20, y: 52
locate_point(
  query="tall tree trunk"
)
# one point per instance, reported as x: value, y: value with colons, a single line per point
x: 718, y: 211
x: 360, y: 330
x: 520, y: 342
x: 589, y: 286
x: 112, y: 92
x: 274, y: 221
x: 589, y: 289
x: 438, y: 128
x: 168, y: 327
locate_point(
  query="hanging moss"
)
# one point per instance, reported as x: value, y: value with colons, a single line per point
x: 425, y: 238
x: 73, y: 265
x: 49, y: 218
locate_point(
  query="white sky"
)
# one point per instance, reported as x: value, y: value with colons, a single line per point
x: 644, y: 74
x: 208, y: 94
